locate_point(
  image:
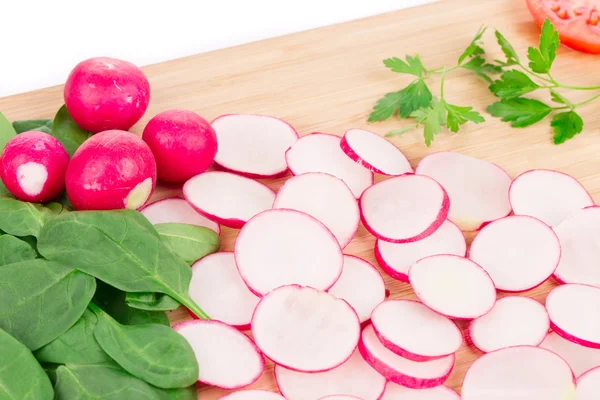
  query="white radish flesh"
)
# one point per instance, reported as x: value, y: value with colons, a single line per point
x: 176, y: 210
x: 397, y: 392
x: 340, y: 397
x: 580, y: 358
x: 588, y: 385
x: 253, y: 395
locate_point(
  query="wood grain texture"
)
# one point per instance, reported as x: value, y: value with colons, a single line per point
x: 328, y: 79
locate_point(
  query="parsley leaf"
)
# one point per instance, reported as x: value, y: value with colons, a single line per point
x: 479, y: 66
x: 458, y: 115
x: 512, y: 57
x: 400, y: 131
x: 540, y: 60
x: 416, y: 95
x: 520, y: 111
x: 513, y: 83
x: 566, y: 125
x: 386, y: 106
x: 474, y: 47
x: 559, y: 98
x: 432, y: 118
x: 412, y: 66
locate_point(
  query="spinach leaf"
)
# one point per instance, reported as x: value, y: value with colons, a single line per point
x: 3, y: 190
x: 7, y: 131
x: 187, y: 393
x: 56, y: 208
x: 13, y: 250
x: 42, y: 125
x: 67, y: 132
x: 20, y: 218
x: 189, y: 242
x: 151, y: 301
x: 50, y: 370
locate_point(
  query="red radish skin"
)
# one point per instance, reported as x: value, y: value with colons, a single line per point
x: 580, y: 358
x: 105, y: 93
x: 176, y: 210
x: 111, y: 170
x: 183, y: 143
x: 397, y: 392
x: 252, y: 394
x: 33, y: 167
x: 588, y: 385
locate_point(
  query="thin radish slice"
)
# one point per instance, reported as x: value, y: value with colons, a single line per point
x: 411, y: 330
x: 216, y: 285
x: 404, y: 209
x: 226, y: 198
x: 453, y: 286
x: 478, y: 189
x: 321, y: 152
x: 374, y: 152
x: 282, y: 247
x: 340, y: 397
x: 354, y: 377
x: 324, y: 197
x: 397, y: 392
x: 253, y: 145
x: 588, y: 385
x: 574, y: 312
x: 412, y: 374
x: 396, y: 258
x: 253, y: 395
x: 176, y: 210
x: 519, y: 252
x: 519, y: 373
x: 580, y: 358
x: 226, y: 357
x: 514, y: 321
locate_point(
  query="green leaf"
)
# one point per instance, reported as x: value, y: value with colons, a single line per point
x: 4, y: 191
x: 566, y: 125
x: 55, y: 207
x: 187, y: 393
x: 42, y: 125
x: 509, y: 51
x: 432, y: 118
x: 416, y: 95
x: 189, y: 242
x: 412, y: 65
x: 50, y: 370
x: 386, y: 107
x: 540, y: 60
x: 458, y: 115
x: 559, y: 98
x: 520, y: 112
x: 7, y: 131
x: 474, y: 48
x: 151, y: 301
x: 513, y: 83
x: 400, y: 131
x: 67, y: 132
x: 14, y: 250
x: 19, y: 218
x: 481, y: 68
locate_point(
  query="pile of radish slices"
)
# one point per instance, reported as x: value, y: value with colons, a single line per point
x: 288, y: 293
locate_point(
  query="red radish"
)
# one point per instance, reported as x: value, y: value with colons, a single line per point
x: 354, y: 377
x: 340, y: 397
x: 324, y: 197
x: 519, y: 373
x: 226, y: 198
x: 573, y: 311
x: 111, y: 170
x: 519, y: 252
x: 304, y: 329
x: 374, y: 153
x: 580, y: 358
x: 514, y: 321
x: 253, y: 145
x: 252, y: 395
x: 453, y: 286
x: 226, y: 357
x: 550, y: 196
x: 404, y: 209
x: 33, y: 166
x: 321, y: 152
x: 396, y: 258
x: 174, y: 209
x: 431, y: 335
x: 282, y: 247
x: 412, y: 374
x: 478, y: 189
x: 183, y: 143
x: 104, y: 93
x: 216, y: 285
x: 588, y: 385
x: 361, y: 285
x: 397, y: 392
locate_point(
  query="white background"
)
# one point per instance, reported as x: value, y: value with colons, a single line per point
x: 41, y: 41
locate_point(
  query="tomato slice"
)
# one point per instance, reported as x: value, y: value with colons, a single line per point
x: 577, y: 21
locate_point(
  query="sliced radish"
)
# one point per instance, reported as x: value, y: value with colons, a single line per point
x: 340, y: 397
x: 354, y: 377
x: 374, y: 152
x: 404, y: 209
x: 324, y: 197
x: 396, y: 258
x: 453, y: 286
x: 514, y: 321
x: 519, y: 252
x: 397, y: 392
x: 226, y: 357
x: 574, y: 312
x: 588, y: 385
x: 411, y: 330
x: 176, y: 210
x: 282, y: 247
x: 478, y: 189
x: 519, y: 373
x: 226, y: 198
x: 253, y: 145
x: 580, y: 358
x: 321, y: 152
x: 412, y: 374
x: 216, y: 285
x: 305, y: 329
x: 252, y: 395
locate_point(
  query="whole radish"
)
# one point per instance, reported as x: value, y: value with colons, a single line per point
x: 183, y: 143
x: 104, y: 93
x: 111, y: 170
x: 33, y: 166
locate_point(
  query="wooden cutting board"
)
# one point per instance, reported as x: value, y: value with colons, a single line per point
x: 328, y: 79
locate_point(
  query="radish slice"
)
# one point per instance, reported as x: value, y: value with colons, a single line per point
x: 580, y: 358
x: 453, y: 286
x: 478, y: 189
x: 519, y: 252
x: 574, y: 313
x: 549, y: 196
x: 430, y: 336
x: 226, y: 357
x: 340, y: 397
x: 412, y: 374
x: 324, y: 197
x: 252, y: 395
x: 253, y: 145
x: 588, y: 385
x: 396, y: 258
x: 321, y: 152
x: 178, y: 211
x: 514, y: 321
x: 304, y: 329
x: 282, y: 247
x: 397, y: 392
x: 519, y: 373
x: 216, y: 285
x: 354, y: 377
x: 374, y: 153
x: 404, y: 209
x: 226, y: 198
